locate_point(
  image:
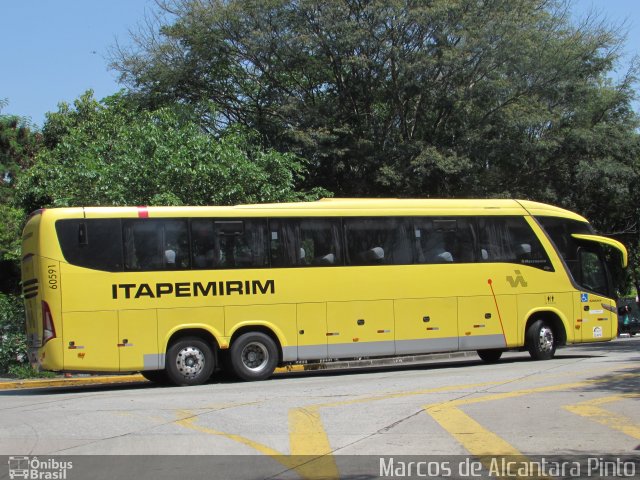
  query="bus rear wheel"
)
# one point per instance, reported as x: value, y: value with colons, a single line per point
x: 189, y: 361
x: 253, y: 356
x: 490, y: 355
x: 540, y: 340
x: 156, y: 376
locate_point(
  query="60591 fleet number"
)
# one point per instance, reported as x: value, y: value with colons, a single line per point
x: 53, y: 277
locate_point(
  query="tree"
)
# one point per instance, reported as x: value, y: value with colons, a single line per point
x: 19, y: 144
x: 439, y: 98
x: 111, y: 153
x: 18, y: 147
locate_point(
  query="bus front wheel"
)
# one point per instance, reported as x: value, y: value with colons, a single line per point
x: 253, y: 356
x: 541, y: 341
x: 189, y: 361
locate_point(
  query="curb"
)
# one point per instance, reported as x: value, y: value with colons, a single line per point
x: 325, y: 366
x: 69, y: 382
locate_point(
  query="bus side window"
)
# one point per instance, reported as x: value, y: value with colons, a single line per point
x: 205, y: 247
x: 443, y: 240
x: 511, y: 239
x: 143, y: 245
x: 375, y: 241
x: 305, y: 242
x: 241, y: 243
x: 320, y: 240
x: 156, y: 245
x: 176, y: 245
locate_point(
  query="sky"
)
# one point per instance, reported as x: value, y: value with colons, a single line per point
x: 54, y: 50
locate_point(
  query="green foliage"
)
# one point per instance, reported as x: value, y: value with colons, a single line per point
x: 13, y: 342
x: 10, y: 229
x: 18, y: 147
x: 440, y: 98
x: 27, y: 371
x: 112, y: 153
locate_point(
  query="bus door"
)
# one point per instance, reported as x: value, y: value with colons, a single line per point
x: 595, y: 318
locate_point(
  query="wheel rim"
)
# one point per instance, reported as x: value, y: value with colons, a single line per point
x: 190, y: 361
x: 545, y: 340
x: 255, y: 356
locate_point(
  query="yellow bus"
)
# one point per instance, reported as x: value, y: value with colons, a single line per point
x: 178, y: 293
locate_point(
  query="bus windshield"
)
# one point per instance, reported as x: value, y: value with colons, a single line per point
x: 584, y: 253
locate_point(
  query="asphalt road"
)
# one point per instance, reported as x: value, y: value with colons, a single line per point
x: 585, y: 401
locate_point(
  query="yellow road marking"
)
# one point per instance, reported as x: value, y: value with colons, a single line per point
x: 310, y: 467
x: 476, y: 439
x: 187, y: 420
x: 483, y: 443
x: 307, y: 436
x: 306, y: 432
x: 591, y: 409
x: 470, y: 434
x: 488, y: 447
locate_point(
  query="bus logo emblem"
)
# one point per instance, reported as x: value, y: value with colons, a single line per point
x: 519, y: 280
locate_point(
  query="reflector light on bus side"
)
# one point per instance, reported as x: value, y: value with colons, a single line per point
x: 48, y: 329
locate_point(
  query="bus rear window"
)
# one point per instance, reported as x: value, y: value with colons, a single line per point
x: 91, y: 243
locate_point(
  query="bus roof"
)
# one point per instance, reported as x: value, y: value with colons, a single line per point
x: 333, y: 206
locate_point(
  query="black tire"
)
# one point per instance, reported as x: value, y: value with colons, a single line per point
x: 156, y: 376
x: 253, y: 356
x: 189, y: 361
x: 541, y: 340
x: 490, y: 355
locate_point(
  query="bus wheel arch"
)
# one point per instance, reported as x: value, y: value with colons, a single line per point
x: 254, y: 353
x: 544, y: 332
x: 191, y: 357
